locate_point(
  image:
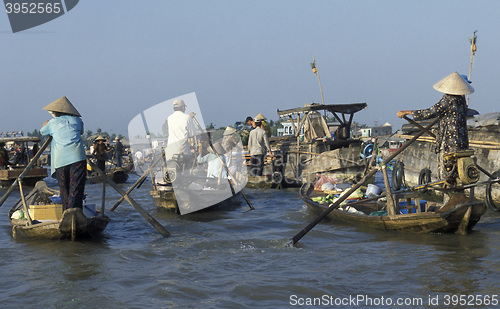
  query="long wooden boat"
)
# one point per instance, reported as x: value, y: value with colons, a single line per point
x: 73, y: 224
x: 117, y: 174
x: 419, y: 216
x: 36, y: 173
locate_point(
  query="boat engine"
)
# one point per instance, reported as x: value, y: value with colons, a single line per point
x: 467, y: 170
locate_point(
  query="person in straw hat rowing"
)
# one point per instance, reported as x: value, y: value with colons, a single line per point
x: 452, y: 133
x: 67, y: 161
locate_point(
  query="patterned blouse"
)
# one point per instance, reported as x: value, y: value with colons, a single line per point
x: 452, y: 127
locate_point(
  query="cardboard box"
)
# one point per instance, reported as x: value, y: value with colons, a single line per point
x: 46, y: 212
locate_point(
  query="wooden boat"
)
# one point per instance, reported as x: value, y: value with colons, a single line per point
x: 185, y: 199
x: 459, y: 216
x: 164, y: 197
x: 36, y: 173
x: 72, y: 224
x: 117, y: 174
x: 304, y: 155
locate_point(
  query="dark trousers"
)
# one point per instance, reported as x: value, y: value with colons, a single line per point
x: 101, y: 164
x: 118, y: 160
x: 71, y: 179
x: 256, y: 165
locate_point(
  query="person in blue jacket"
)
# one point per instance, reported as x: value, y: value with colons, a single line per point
x: 68, y: 160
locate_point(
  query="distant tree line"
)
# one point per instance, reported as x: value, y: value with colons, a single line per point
x: 87, y: 138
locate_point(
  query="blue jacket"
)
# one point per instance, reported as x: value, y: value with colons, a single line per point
x: 67, y: 146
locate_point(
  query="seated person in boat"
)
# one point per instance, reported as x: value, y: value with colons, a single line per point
x: 4, y: 156
x: 215, y: 168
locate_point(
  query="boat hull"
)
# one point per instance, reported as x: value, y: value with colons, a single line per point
x: 62, y: 229
x: 164, y: 198
x: 448, y: 221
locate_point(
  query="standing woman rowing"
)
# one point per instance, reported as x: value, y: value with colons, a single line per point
x: 67, y: 161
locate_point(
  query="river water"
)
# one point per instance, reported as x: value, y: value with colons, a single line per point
x: 238, y: 258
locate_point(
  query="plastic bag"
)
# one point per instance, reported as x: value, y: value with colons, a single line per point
x: 18, y: 214
x: 324, y: 179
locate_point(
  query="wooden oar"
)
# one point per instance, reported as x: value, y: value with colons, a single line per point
x: 337, y: 203
x: 225, y: 167
x: 138, y: 183
x: 25, y: 206
x: 413, y: 122
x: 28, y: 167
x: 137, y: 207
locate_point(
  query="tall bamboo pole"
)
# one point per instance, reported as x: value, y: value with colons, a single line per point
x: 473, y: 49
x: 315, y: 71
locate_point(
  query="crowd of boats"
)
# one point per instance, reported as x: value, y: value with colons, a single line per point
x: 332, y: 169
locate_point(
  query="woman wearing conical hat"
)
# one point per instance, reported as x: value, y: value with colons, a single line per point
x: 452, y: 108
x: 99, y: 152
x: 67, y: 161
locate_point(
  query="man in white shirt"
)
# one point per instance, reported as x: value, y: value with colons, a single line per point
x: 180, y: 129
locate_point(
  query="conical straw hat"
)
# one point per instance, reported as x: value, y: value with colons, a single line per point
x: 259, y: 116
x: 218, y: 147
x: 62, y: 105
x: 454, y: 84
x: 229, y: 131
x: 100, y: 137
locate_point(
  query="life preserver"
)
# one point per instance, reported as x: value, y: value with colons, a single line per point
x: 424, y: 178
x: 398, y: 172
x: 367, y: 151
x: 489, y: 199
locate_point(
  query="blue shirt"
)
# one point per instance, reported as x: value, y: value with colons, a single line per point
x: 214, y: 168
x: 67, y: 145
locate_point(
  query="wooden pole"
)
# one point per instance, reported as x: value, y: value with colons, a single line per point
x: 25, y: 206
x: 138, y: 182
x: 319, y: 81
x: 473, y: 49
x: 103, y: 194
x: 28, y: 167
x: 413, y: 122
x: 137, y: 207
x: 344, y: 196
x: 391, y: 207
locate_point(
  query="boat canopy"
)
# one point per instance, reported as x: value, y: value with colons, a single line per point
x: 311, y: 112
x: 350, y: 108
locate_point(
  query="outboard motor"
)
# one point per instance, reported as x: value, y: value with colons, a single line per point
x: 467, y: 170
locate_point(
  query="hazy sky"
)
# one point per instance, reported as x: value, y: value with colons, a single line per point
x: 115, y: 58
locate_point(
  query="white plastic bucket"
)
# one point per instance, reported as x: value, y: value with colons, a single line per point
x: 373, y: 190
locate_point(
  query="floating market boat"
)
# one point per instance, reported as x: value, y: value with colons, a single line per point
x: 412, y: 214
x: 20, y: 160
x: 419, y: 161
x: 117, y: 174
x: 47, y: 220
x: 193, y: 193
x: 309, y: 151
x: 312, y: 149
